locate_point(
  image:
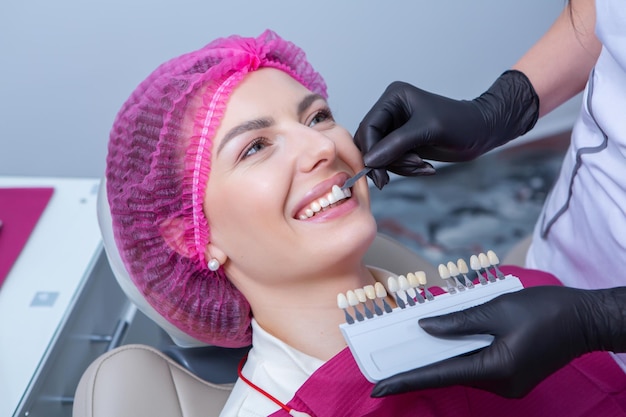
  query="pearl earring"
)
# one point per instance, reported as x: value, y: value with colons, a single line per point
x: 213, y: 265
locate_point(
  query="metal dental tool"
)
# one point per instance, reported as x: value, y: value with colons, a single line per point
x: 353, y: 180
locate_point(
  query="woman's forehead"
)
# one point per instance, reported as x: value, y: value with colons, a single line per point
x: 260, y: 96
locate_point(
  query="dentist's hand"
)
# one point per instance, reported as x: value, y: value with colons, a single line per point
x: 407, y: 124
x: 537, y: 331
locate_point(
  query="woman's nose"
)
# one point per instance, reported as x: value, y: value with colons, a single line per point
x: 315, y: 149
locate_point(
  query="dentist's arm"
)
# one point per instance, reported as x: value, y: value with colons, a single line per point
x: 537, y: 331
x: 408, y: 123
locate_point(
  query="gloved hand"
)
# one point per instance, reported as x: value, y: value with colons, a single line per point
x: 407, y: 124
x: 537, y: 331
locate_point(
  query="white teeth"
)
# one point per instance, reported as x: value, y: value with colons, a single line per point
x: 392, y: 284
x: 336, y: 194
x: 339, y: 195
x: 331, y: 198
x: 413, y: 282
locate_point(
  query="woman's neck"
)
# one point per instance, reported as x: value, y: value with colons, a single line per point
x: 308, y: 318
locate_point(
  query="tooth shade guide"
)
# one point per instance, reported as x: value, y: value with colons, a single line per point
x: 385, y: 345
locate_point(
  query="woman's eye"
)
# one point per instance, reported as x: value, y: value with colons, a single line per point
x: 321, y: 116
x: 254, y: 147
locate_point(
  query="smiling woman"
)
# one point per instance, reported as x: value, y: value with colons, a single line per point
x: 223, y: 179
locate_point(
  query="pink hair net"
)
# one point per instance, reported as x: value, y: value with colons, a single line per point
x: 157, y: 172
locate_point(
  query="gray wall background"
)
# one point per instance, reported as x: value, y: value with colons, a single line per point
x: 66, y: 66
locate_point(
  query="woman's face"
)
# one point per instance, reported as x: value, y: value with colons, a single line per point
x: 275, y: 158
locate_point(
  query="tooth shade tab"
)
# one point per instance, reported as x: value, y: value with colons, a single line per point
x: 342, y: 301
x: 370, y: 292
x: 454, y: 271
x: 444, y: 272
x: 462, y: 266
x: 413, y: 281
x: 352, y: 298
x: 403, y: 282
x: 484, y: 261
x: 474, y: 263
x: 360, y: 295
x: 381, y: 292
x: 392, y: 284
x: 493, y: 258
x: 421, y: 277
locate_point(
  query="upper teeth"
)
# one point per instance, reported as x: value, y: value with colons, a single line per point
x: 336, y: 194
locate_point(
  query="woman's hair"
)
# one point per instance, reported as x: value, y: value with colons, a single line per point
x: 158, y: 165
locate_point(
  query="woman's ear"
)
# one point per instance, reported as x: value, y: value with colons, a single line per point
x: 173, y: 232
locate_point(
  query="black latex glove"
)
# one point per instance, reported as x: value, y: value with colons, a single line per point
x: 537, y: 331
x: 407, y: 124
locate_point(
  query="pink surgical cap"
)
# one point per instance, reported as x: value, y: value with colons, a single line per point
x: 157, y: 172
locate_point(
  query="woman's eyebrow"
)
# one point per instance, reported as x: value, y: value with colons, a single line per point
x: 243, y: 128
x: 307, y: 101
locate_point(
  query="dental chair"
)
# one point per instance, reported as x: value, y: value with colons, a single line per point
x: 186, y: 378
